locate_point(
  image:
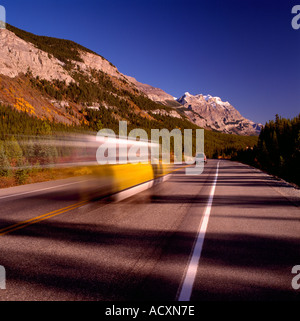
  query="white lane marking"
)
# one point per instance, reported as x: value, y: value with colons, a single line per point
x: 38, y: 190
x: 187, y: 286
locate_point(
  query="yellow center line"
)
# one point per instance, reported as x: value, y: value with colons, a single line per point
x: 40, y: 218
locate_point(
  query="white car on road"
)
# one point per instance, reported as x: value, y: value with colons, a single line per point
x: 200, y: 158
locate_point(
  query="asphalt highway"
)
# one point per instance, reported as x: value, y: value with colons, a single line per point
x: 226, y: 234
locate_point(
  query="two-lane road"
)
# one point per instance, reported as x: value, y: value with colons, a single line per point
x: 55, y: 245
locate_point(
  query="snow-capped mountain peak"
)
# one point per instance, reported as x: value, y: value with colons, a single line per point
x: 211, y: 112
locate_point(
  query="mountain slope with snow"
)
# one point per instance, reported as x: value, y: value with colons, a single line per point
x: 211, y: 112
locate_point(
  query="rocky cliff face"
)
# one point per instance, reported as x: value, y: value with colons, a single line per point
x: 17, y: 56
x: 155, y: 94
x: 211, y: 112
x: 92, y: 61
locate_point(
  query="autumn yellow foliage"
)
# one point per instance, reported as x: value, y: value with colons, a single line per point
x: 23, y: 105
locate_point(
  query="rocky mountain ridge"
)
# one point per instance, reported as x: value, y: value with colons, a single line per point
x: 211, y: 112
x: 17, y: 56
x: 66, y: 74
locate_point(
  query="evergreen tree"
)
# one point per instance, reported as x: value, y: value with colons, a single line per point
x: 5, y: 169
x: 13, y: 151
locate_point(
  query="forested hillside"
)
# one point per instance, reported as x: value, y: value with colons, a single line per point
x: 21, y: 124
x: 278, y: 149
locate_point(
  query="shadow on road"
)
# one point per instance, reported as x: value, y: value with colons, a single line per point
x: 106, y: 263
x: 66, y: 260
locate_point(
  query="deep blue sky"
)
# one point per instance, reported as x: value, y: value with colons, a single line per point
x: 244, y: 51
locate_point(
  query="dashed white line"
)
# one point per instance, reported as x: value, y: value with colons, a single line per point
x: 188, y: 283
